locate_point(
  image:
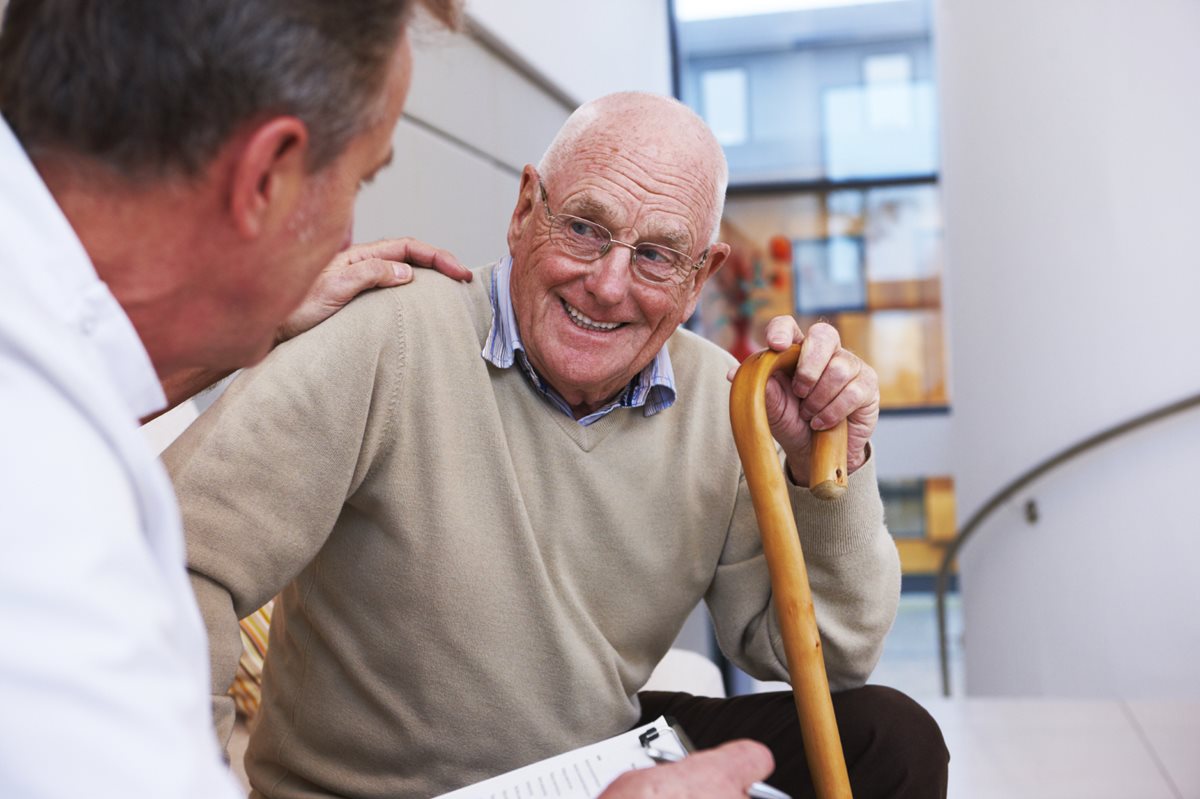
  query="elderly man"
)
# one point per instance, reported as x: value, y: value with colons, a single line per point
x: 490, y: 507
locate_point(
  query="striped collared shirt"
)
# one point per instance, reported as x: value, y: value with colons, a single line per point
x: 652, y: 389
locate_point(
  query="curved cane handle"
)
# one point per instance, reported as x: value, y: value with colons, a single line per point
x: 785, y: 562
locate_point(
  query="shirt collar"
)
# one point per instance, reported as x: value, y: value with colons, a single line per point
x: 652, y: 389
x: 43, y: 252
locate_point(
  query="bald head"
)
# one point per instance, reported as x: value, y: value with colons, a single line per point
x: 647, y: 131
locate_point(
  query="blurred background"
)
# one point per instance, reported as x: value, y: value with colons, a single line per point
x: 995, y: 201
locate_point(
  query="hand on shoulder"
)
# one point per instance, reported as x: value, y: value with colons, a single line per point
x: 380, y: 264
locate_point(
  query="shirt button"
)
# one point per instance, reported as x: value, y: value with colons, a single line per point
x: 87, y: 325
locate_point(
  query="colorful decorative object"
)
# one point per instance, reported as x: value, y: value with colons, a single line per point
x: 780, y: 248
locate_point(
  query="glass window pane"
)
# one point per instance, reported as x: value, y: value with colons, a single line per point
x: 724, y: 102
x: 801, y: 91
x: 904, y: 507
x: 879, y: 130
x: 903, y: 233
x: 828, y: 275
x: 889, y: 68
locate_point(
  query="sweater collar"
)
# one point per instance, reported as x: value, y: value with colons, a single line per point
x: 652, y: 389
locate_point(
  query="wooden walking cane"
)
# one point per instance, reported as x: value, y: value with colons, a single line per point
x: 785, y: 561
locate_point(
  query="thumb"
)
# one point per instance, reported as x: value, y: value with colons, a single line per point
x: 372, y: 273
x: 401, y: 273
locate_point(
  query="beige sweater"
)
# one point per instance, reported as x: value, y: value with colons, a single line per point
x: 470, y: 579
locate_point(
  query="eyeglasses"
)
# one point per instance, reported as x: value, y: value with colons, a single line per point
x: 586, y: 240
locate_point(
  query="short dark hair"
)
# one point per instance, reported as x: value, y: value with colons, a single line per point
x: 156, y: 87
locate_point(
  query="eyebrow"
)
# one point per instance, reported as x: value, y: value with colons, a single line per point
x: 595, y: 210
x: 591, y: 208
x: 675, y: 239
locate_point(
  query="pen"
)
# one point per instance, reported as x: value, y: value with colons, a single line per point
x: 758, y: 790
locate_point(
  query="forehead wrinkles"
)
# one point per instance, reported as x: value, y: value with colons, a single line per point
x: 678, y: 192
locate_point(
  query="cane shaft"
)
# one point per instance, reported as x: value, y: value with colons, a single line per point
x: 785, y: 561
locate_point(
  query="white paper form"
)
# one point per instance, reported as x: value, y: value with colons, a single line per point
x: 582, y: 773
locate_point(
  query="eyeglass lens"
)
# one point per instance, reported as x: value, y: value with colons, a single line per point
x: 589, y: 241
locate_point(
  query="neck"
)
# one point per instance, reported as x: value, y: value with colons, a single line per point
x: 582, y: 405
x: 141, y: 240
x: 588, y: 408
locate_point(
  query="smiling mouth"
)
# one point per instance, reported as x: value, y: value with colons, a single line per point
x: 586, y: 322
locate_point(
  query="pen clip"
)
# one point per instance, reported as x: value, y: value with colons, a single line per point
x: 647, y: 739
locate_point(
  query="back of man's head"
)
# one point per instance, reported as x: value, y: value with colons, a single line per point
x: 152, y: 88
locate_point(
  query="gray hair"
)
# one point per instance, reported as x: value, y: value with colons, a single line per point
x: 591, y: 114
x: 152, y: 88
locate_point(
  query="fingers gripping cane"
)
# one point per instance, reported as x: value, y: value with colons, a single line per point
x: 785, y: 561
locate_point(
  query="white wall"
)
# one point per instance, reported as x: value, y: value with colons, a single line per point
x: 586, y: 48
x: 1071, y: 181
x: 471, y: 122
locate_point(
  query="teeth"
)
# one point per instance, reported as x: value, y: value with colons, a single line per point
x: 585, y: 322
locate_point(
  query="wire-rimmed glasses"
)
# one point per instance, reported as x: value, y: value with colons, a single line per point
x: 586, y: 240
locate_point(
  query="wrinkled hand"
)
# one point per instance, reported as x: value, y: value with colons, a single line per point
x: 830, y: 384
x: 722, y: 773
x: 380, y: 264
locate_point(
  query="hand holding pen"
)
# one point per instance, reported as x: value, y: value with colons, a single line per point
x: 756, y: 790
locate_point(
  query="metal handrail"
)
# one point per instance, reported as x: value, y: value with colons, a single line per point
x: 1006, y: 493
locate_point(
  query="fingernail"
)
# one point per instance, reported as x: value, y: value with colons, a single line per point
x: 817, y: 424
x: 402, y: 271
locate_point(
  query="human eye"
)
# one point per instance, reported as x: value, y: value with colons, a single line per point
x: 657, y: 263
x: 583, y: 229
x: 651, y: 254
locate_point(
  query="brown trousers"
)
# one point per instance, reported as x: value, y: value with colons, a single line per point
x: 893, y: 746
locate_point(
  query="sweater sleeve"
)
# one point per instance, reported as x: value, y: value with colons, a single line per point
x: 853, y: 570
x: 263, y: 474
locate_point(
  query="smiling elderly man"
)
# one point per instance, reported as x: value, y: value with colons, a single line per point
x: 490, y: 507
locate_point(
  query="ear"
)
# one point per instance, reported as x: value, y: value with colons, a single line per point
x: 527, y: 201
x: 269, y: 173
x: 717, y: 254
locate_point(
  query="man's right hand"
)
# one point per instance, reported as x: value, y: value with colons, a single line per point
x: 722, y: 773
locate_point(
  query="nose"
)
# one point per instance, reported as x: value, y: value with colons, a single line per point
x: 610, y: 275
